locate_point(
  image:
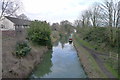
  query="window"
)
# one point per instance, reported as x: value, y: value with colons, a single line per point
x: 2, y: 26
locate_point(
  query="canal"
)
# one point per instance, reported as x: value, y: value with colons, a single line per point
x: 62, y: 62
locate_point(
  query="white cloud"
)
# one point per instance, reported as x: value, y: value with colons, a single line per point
x: 55, y: 10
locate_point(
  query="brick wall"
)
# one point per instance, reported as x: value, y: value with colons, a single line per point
x: 18, y: 35
x: 8, y: 33
x: 10, y: 37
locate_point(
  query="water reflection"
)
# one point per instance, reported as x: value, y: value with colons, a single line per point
x: 64, y: 63
x: 70, y: 42
x: 64, y: 39
x: 44, y: 67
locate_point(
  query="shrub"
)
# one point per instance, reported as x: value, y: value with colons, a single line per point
x: 97, y: 35
x: 22, y: 49
x: 39, y: 32
x: 101, y: 35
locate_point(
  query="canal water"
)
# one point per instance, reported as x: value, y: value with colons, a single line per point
x: 62, y: 62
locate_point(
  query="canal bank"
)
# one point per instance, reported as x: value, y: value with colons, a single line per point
x: 89, y: 64
x: 63, y: 62
x: 14, y: 67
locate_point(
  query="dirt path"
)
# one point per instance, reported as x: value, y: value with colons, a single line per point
x: 99, y: 62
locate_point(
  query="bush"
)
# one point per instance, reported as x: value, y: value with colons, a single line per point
x: 97, y: 35
x: 100, y: 36
x: 22, y: 49
x: 39, y: 32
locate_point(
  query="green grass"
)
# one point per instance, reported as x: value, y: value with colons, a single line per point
x: 92, y: 61
x: 82, y: 42
x: 87, y: 44
x: 114, y: 72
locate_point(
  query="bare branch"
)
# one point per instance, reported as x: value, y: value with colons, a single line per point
x: 8, y: 8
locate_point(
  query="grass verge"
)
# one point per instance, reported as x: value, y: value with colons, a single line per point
x: 92, y: 65
x: 114, y: 72
x: 82, y: 42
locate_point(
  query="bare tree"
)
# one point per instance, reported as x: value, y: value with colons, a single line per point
x: 9, y: 7
x: 87, y: 14
x: 78, y: 23
x: 83, y: 21
x: 111, y: 15
x: 107, y: 10
x: 95, y: 16
x: 86, y: 18
x: 110, y: 11
x: 117, y: 14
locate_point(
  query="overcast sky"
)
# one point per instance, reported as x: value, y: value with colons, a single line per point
x: 56, y: 10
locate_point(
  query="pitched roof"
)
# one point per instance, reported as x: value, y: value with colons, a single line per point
x: 20, y: 22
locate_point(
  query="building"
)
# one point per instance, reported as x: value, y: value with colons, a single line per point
x: 11, y: 23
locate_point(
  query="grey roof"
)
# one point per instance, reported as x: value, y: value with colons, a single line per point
x: 18, y: 22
